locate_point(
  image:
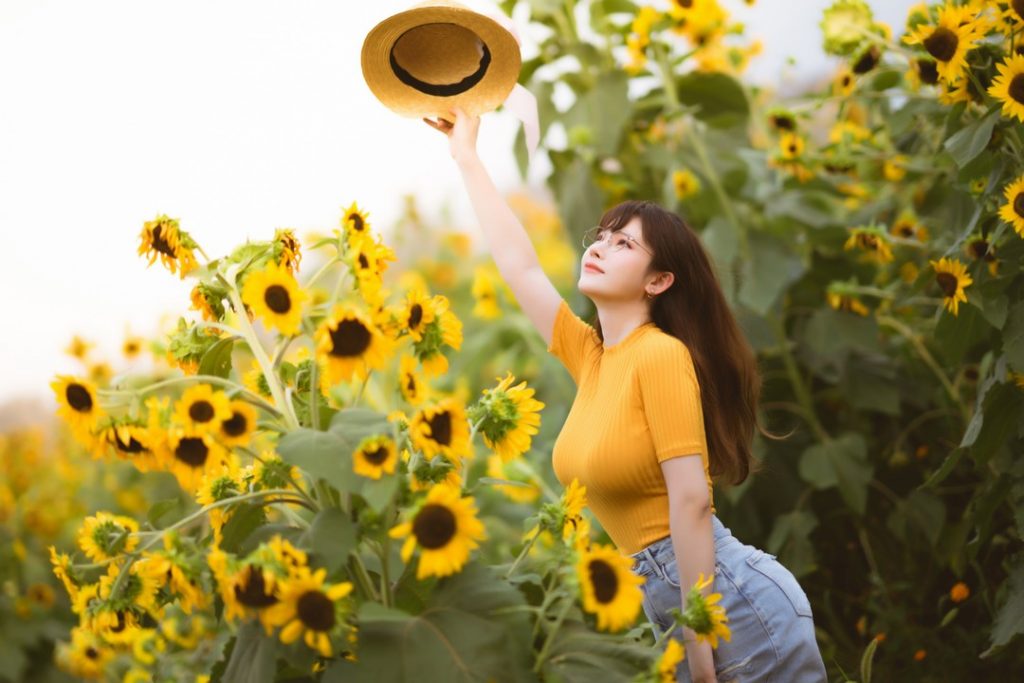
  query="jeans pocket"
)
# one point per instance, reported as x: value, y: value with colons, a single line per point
x: 768, y: 566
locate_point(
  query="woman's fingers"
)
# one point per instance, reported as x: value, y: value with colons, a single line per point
x: 440, y: 124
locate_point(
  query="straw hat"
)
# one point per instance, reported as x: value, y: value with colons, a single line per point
x: 437, y: 55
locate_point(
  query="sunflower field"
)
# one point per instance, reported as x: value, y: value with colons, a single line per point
x: 334, y: 464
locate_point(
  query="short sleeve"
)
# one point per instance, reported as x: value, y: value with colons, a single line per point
x: 572, y: 340
x: 671, y: 399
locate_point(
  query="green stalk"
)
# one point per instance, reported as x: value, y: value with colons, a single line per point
x: 928, y: 359
x: 522, y: 554
x: 261, y: 357
x: 803, y: 395
x: 551, y: 635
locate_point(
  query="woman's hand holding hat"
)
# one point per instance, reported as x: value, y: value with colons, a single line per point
x: 462, y: 133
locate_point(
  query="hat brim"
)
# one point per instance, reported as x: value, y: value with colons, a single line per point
x: 490, y: 91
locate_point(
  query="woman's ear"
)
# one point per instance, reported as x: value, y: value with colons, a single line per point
x: 663, y: 281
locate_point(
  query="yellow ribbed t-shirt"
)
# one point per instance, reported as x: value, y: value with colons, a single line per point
x: 637, y: 404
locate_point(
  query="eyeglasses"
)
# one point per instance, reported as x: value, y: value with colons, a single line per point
x: 618, y: 239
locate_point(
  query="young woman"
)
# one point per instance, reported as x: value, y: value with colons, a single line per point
x: 667, y: 392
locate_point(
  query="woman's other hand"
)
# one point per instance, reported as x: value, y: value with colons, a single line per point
x: 461, y: 132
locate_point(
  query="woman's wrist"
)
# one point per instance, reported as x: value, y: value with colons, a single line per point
x: 467, y: 159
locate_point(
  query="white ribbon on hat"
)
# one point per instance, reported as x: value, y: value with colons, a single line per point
x: 521, y: 102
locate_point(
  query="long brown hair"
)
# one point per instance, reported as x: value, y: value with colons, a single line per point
x: 694, y: 310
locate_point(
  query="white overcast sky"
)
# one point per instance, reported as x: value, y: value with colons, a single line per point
x: 236, y: 117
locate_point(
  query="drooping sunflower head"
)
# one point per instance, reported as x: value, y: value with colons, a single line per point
x: 375, y: 456
x: 162, y: 238
x: 445, y: 528
x: 287, y: 250
x: 610, y: 590
x: 208, y: 300
x: 872, y: 241
x: 708, y: 618
x: 275, y: 297
x: 865, y: 60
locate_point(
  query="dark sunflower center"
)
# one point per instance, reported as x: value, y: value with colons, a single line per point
x: 349, y: 338
x: 905, y: 230
x: 434, y: 526
x: 410, y: 384
x: 133, y: 446
x: 605, y: 580
x: 1016, y: 89
x: 201, y: 411
x: 979, y: 249
x: 357, y: 222
x: 235, y: 425
x: 78, y: 398
x: 119, y: 626
x: 441, y: 428
x: 376, y: 456
x: 792, y: 148
x: 253, y: 593
x: 192, y: 451
x: 92, y: 653
x: 277, y: 299
x: 316, y: 611
x: 942, y: 44
x: 947, y: 282
x: 363, y: 263
x: 782, y: 122
x: 685, y: 4
x: 847, y: 80
x: 1018, y: 204
x: 415, y: 315
x: 867, y: 61
x: 1018, y: 7
x: 160, y: 244
x: 928, y: 71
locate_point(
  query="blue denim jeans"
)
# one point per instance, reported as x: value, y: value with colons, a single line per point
x: 769, y: 614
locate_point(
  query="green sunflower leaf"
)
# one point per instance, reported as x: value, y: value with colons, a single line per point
x: 324, y: 455
x: 217, y: 359
x: 253, y: 656
x: 970, y: 141
x: 332, y: 536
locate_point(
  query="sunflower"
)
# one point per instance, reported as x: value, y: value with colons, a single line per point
x: 485, y: 295
x: 1008, y: 86
x: 414, y: 389
x: 163, y: 238
x: 872, y: 242
x: 170, y: 570
x: 132, y: 346
x: 952, y: 278
x: 867, y: 59
x: 923, y: 71
x: 705, y: 615
x: 445, y: 329
x: 201, y: 409
x: 498, y: 469
x: 78, y: 348
x: 64, y: 570
x: 209, y: 301
x: 368, y: 259
x: 846, y: 302
x: 104, y: 536
x: 509, y: 416
x: 217, y: 484
x: 685, y: 183
x: 275, y: 297
x: 310, y: 609
x: 87, y: 656
x: 441, y: 429
x: 610, y: 589
x: 417, y: 313
x: 949, y: 40
x: 781, y: 119
x: 131, y: 441
x: 1013, y: 210
x: 843, y: 82
x: 355, y: 223
x: 446, y: 529
x: 574, y: 499
x: 255, y: 381
x: 237, y: 429
x: 908, y: 228
x: 78, y: 405
x: 894, y: 168
x: 246, y: 588
x: 374, y: 456
x: 791, y: 146
x: 288, y: 251
x: 980, y: 249
x: 189, y: 454
x: 348, y: 344
x: 669, y: 661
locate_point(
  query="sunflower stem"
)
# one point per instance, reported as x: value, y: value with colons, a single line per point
x: 319, y: 273
x: 803, y: 396
x: 550, y: 639
x: 928, y: 359
x: 522, y: 554
x: 209, y: 379
x: 363, y: 577
x: 261, y: 357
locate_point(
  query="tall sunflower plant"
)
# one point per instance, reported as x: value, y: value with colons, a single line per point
x: 329, y: 509
x: 868, y: 232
